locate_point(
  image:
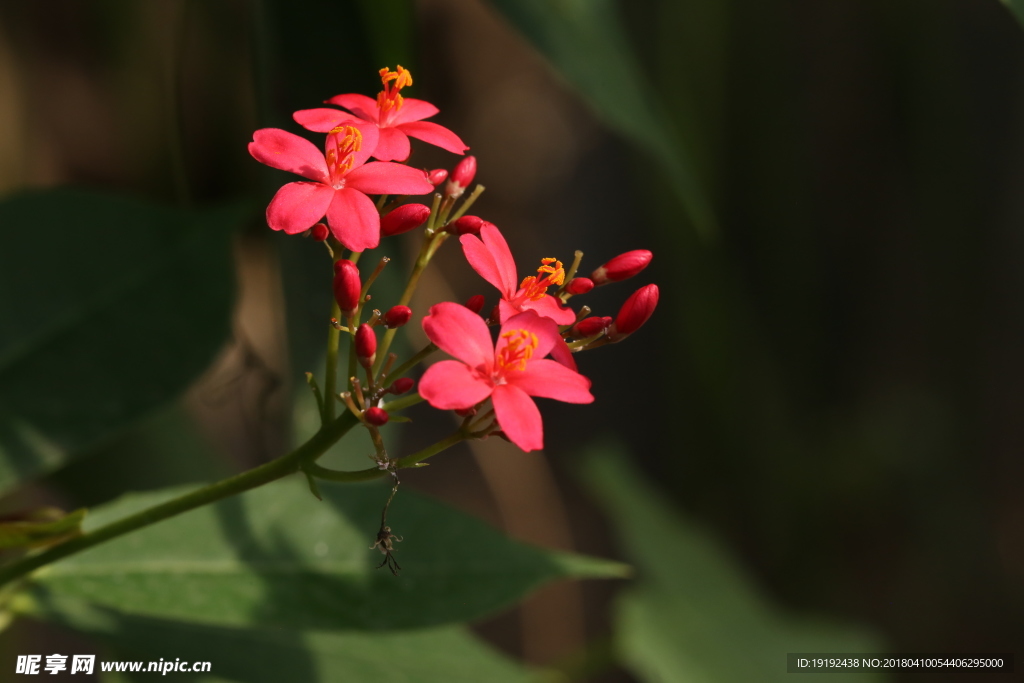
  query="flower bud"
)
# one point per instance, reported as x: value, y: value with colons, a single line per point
x: 476, y: 303
x: 403, y: 219
x: 461, y: 177
x: 366, y: 345
x: 437, y: 176
x: 347, y: 286
x: 402, y: 385
x: 495, y: 316
x: 397, y: 316
x: 622, y: 266
x: 579, y: 285
x: 319, y: 232
x: 634, y: 313
x: 467, y: 225
x: 588, y: 327
x: 378, y: 417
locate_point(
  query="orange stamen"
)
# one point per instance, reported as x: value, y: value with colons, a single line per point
x: 537, y: 286
x: 342, y: 144
x: 519, y: 349
x: 389, y: 99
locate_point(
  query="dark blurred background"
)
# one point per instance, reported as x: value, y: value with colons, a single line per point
x: 832, y: 382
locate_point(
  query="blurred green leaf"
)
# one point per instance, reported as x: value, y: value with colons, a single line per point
x: 1017, y: 7
x: 278, y: 557
x: 45, y: 525
x: 448, y: 654
x: 585, y: 41
x: 109, y: 307
x: 694, y: 616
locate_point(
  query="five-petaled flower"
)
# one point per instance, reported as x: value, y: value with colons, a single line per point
x: 508, y: 373
x: 341, y: 180
x: 397, y: 117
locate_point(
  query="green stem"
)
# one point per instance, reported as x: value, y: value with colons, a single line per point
x: 327, y: 436
x: 375, y: 472
x: 470, y: 200
x: 331, y: 372
x: 409, y: 364
x: 403, y: 403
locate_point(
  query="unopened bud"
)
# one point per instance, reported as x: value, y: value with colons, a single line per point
x: 495, y: 317
x: 403, y: 219
x: 378, y: 417
x: 467, y: 225
x: 366, y: 345
x: 461, y: 177
x: 402, y: 385
x: 437, y: 176
x: 622, y: 267
x: 319, y: 232
x: 579, y: 285
x: 634, y: 313
x: 476, y: 303
x: 397, y: 316
x: 588, y: 327
x: 347, y: 286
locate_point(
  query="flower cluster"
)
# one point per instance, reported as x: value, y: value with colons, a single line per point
x: 492, y: 380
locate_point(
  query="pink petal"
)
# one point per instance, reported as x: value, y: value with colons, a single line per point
x: 451, y: 385
x: 561, y: 353
x: 297, y: 206
x: 321, y: 120
x: 392, y: 146
x: 362, y: 106
x: 550, y: 307
x: 545, y: 329
x: 518, y: 416
x: 491, y: 259
x: 280, y: 149
x: 385, y: 177
x: 435, y: 135
x: 496, y: 244
x: 371, y: 136
x: 354, y: 220
x: 460, y: 332
x: 548, y: 379
x: 414, y: 110
x: 506, y: 310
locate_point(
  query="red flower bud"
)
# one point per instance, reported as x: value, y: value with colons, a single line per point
x: 579, y: 285
x: 461, y: 177
x: 319, y: 232
x: 397, y: 316
x: 402, y: 385
x: 622, y: 266
x: 495, y: 317
x: 476, y: 303
x: 437, y: 176
x: 366, y: 345
x: 467, y: 225
x: 378, y: 417
x: 588, y: 327
x: 634, y: 313
x: 347, y: 286
x: 403, y: 219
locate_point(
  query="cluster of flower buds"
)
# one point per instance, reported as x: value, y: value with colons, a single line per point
x: 490, y: 382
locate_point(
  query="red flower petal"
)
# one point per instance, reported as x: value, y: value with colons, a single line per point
x: 354, y: 220
x: 550, y: 307
x: 362, y: 106
x: 321, y: 120
x: 297, y: 206
x: 385, y: 177
x: 460, y: 332
x: 280, y: 149
x: 451, y: 385
x: 561, y: 353
x: 518, y: 416
x: 491, y: 259
x: 549, y: 379
x: 435, y: 135
x: 413, y: 110
x: 545, y: 329
x: 393, y: 145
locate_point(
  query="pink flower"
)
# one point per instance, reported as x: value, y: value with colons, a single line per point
x: 491, y: 258
x: 341, y: 180
x: 397, y: 118
x: 508, y: 373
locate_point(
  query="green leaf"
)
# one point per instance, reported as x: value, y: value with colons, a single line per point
x: 449, y: 654
x: 1017, y: 7
x: 45, y: 525
x: 278, y: 557
x: 108, y: 308
x: 695, y: 616
x: 584, y: 40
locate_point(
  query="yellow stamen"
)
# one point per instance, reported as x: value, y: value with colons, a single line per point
x: 519, y: 349
x: 342, y: 145
x: 537, y: 286
x: 389, y: 98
